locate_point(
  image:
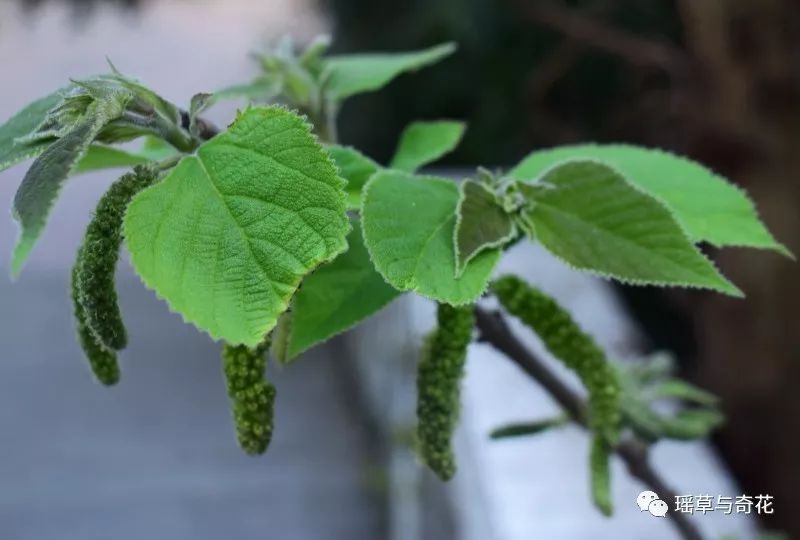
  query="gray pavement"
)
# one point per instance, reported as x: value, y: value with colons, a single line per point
x: 155, y: 456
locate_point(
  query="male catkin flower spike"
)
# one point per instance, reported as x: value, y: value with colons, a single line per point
x: 102, y: 361
x: 252, y: 398
x: 439, y: 375
x: 98, y: 257
x: 600, y: 475
x: 566, y: 341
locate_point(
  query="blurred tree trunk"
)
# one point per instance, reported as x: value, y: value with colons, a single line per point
x: 750, y: 351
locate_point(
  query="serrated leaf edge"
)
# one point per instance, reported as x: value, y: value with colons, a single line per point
x: 343, y: 204
x: 734, y: 290
x: 500, y: 242
x: 776, y: 246
x: 406, y: 287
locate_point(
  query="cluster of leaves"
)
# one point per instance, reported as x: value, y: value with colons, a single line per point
x: 225, y: 227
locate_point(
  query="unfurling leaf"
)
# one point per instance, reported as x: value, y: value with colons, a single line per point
x: 587, y: 214
x: 600, y: 475
x: 102, y: 361
x: 354, y: 167
x: 199, y: 104
x: 252, y: 397
x: 528, y: 428
x: 312, y: 56
x: 231, y: 231
x: 439, y: 375
x: 408, y: 226
x: 643, y: 383
x: 336, y: 297
x: 709, y: 208
x: 20, y: 126
x: 425, y: 142
x: 691, y: 424
x: 98, y: 257
x: 481, y: 223
x: 43, y: 181
x: 347, y: 75
x: 676, y: 388
x: 567, y: 342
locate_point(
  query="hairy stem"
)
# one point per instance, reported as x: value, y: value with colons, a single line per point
x: 495, y: 331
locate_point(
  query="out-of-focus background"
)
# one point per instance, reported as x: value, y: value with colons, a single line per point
x: 716, y: 80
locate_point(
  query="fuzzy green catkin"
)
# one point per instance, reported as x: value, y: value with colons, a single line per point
x: 600, y: 475
x: 252, y: 397
x: 98, y: 257
x: 102, y: 362
x: 566, y: 341
x: 439, y: 375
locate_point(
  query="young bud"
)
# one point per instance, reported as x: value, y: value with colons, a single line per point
x: 98, y: 257
x: 439, y: 375
x: 567, y: 342
x: 252, y: 398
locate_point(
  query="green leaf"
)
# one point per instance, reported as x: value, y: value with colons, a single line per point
x: 199, y: 104
x: 481, y: 223
x: 347, y: 75
x: 107, y: 157
x: 408, y: 229
x: 101, y: 156
x: 691, y: 424
x: 230, y: 232
x: 528, y: 428
x: 676, y: 388
x: 709, y: 208
x: 312, y: 57
x: 425, y: 142
x: 262, y: 89
x: 587, y: 214
x: 21, y: 125
x: 600, y: 473
x: 43, y: 181
x: 155, y: 149
x: 337, y: 297
x: 354, y: 167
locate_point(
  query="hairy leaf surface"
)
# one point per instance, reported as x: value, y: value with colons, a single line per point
x: 229, y: 234
x: 21, y: 125
x: 709, y: 208
x: 586, y: 213
x: 336, y: 297
x: 408, y: 229
x: 481, y: 223
x: 354, y: 167
x: 43, y: 181
x: 347, y: 75
x: 425, y: 142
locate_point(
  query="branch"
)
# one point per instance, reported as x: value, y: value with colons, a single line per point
x: 634, y: 49
x: 495, y: 331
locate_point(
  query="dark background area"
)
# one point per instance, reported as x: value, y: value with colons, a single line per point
x: 716, y: 80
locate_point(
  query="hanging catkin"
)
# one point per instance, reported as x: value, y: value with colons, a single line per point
x: 252, y: 397
x: 566, y: 341
x: 102, y: 362
x: 97, y: 260
x: 439, y: 375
